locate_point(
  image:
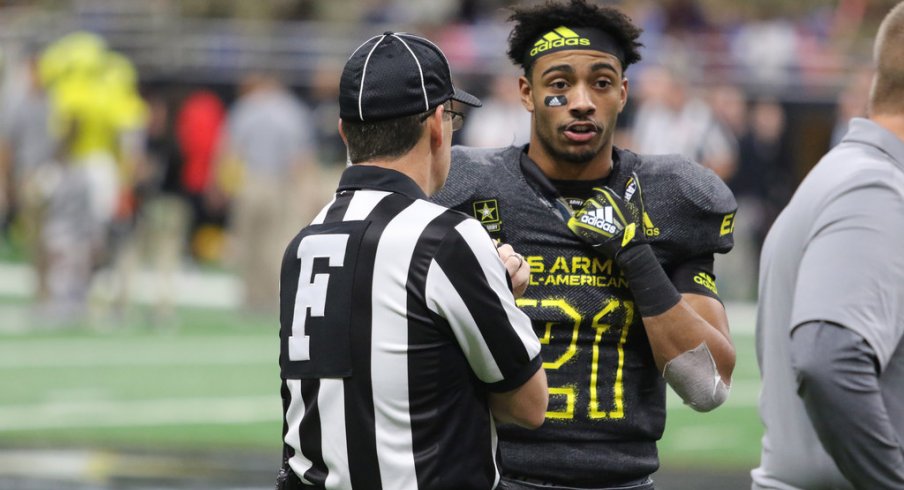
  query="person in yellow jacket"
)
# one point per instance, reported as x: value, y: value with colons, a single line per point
x: 99, y: 118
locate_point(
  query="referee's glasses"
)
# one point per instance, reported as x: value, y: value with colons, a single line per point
x: 458, y: 118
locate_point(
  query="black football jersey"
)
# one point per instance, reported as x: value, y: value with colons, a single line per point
x: 606, y: 396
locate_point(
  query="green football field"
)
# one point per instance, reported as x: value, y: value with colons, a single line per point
x: 209, y: 384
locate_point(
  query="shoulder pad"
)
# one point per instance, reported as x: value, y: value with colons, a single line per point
x: 691, y: 211
x: 472, y: 169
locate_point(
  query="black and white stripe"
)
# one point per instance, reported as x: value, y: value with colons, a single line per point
x: 432, y: 313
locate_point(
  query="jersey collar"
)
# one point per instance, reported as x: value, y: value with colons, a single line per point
x: 371, y: 177
x: 538, y: 180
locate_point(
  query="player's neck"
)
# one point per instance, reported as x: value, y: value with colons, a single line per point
x: 891, y: 122
x: 558, y: 169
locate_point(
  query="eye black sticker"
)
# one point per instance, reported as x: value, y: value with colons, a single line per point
x: 556, y: 101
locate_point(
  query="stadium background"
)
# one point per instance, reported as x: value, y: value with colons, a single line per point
x: 118, y: 398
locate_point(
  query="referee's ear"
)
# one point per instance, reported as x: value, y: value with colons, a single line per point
x: 437, y: 129
x: 342, y: 133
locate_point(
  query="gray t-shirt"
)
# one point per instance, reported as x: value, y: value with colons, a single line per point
x: 269, y: 130
x: 26, y: 127
x: 836, y: 253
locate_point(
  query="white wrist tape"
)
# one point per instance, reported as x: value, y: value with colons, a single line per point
x: 693, y: 375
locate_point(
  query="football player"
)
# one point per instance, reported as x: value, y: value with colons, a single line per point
x: 622, y: 292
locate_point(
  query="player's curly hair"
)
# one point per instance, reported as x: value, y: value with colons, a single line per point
x: 533, y: 21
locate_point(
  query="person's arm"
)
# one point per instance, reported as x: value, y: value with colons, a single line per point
x: 468, y: 286
x: 689, y: 339
x: 850, y: 275
x: 688, y: 333
x: 695, y: 319
x: 525, y: 405
x: 838, y: 380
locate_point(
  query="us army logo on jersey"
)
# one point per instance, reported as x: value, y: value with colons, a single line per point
x: 575, y: 203
x: 487, y: 212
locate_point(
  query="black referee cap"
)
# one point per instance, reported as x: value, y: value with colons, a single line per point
x: 394, y: 75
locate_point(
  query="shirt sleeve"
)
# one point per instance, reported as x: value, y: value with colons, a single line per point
x: 467, y: 286
x: 852, y: 272
x: 696, y: 276
x: 838, y: 381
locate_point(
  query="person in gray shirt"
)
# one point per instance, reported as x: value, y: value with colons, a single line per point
x: 831, y: 306
x: 270, y: 150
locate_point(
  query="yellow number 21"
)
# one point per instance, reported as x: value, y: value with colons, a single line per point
x: 594, y: 411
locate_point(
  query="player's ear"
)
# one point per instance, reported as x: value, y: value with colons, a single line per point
x: 623, y: 97
x: 526, y: 91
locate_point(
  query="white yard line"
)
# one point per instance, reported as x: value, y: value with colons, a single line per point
x: 190, y: 287
x: 182, y: 351
x: 137, y: 413
x: 211, y: 410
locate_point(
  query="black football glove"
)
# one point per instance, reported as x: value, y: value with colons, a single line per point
x: 609, y: 222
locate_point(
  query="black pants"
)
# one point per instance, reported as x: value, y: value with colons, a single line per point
x: 288, y: 480
x: 513, y: 483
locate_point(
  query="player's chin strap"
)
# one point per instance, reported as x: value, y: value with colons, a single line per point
x: 694, y: 377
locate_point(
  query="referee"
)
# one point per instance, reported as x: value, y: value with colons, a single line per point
x: 400, y: 339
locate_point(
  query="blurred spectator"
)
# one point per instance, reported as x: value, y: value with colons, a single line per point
x: 502, y: 121
x: 161, y: 216
x: 67, y: 235
x: 729, y: 106
x: 851, y: 102
x: 324, y: 101
x: 683, y: 17
x: 405, y: 11
x: 99, y: 119
x: 270, y: 170
x: 765, y: 173
x: 767, y: 51
x: 27, y: 146
x: 670, y: 119
x: 331, y: 153
x: 762, y: 186
x: 198, y: 130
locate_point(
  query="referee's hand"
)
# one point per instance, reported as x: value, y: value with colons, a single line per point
x: 518, y: 269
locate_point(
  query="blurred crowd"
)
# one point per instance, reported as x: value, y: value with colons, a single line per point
x: 102, y: 177
x: 108, y: 168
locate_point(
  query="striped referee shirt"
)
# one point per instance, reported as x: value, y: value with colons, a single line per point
x: 397, y: 319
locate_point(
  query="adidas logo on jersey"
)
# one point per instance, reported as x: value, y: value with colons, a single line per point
x: 557, y: 38
x: 601, y: 218
x: 706, y: 281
